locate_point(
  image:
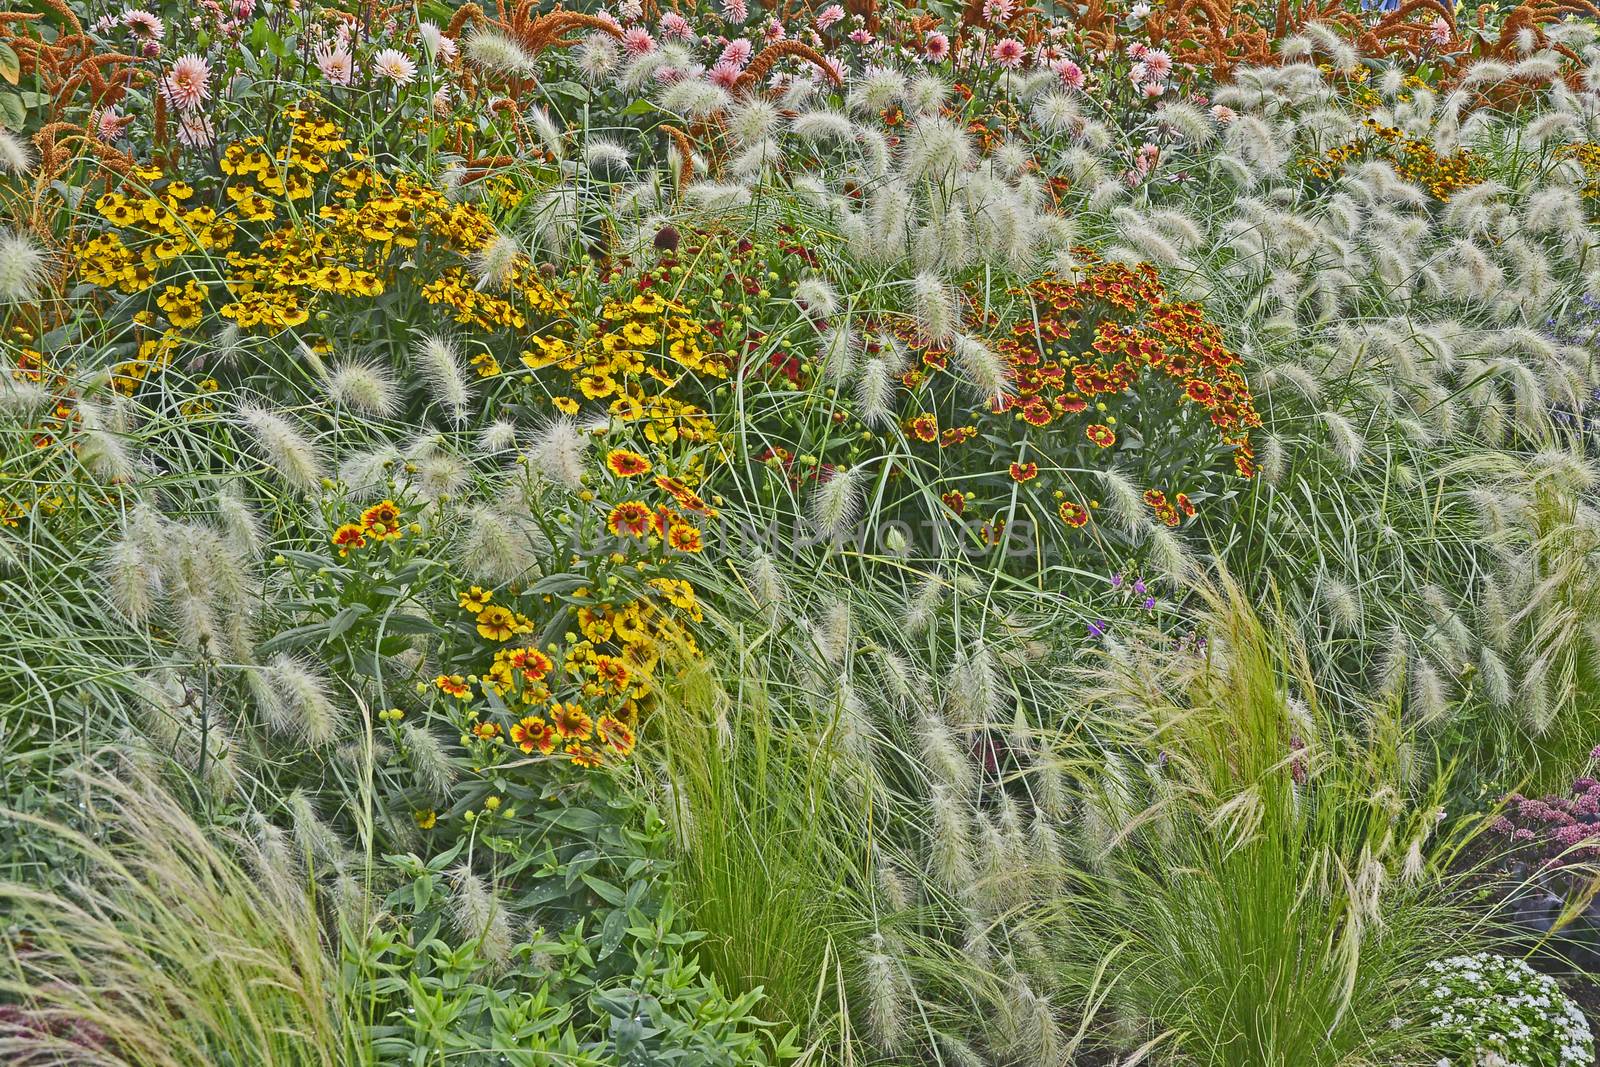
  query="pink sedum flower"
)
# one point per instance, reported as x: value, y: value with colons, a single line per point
x: 774, y: 32
x: 735, y: 11
x: 861, y: 36
x: 724, y: 74
x: 1158, y: 63
x: 831, y: 14
x: 187, y: 84
x: 935, y: 47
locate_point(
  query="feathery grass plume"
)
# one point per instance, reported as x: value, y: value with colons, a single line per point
x: 927, y: 95
x: 1493, y: 678
x: 20, y: 397
x: 284, y: 446
x: 598, y: 56
x: 437, y: 362
x: 1344, y: 439
x: 16, y: 157
x: 887, y: 988
x: 751, y: 121
x: 428, y: 759
x: 986, y: 372
x: 497, y: 437
x: 836, y: 503
x: 816, y: 296
x: 549, y: 134
x: 942, y: 757
x: 369, y: 472
x: 1124, y: 499
x: 606, y: 158
x: 101, y: 448
x: 972, y: 692
x: 696, y: 98
x: 240, y: 522
x: 496, y: 547
x: 498, y: 54
x: 558, y: 452
x: 23, y: 268
x: 303, y: 698
x: 495, y: 264
x: 822, y: 125
x: 715, y: 197
x: 876, y: 88
x: 830, y: 632
x: 1187, y: 121
x: 935, y: 149
x: 318, y: 846
x: 363, y: 387
x: 477, y: 915
x: 1055, y: 113
x: 1169, y: 555
x: 944, y: 241
x: 767, y: 585
x: 923, y: 604
x: 933, y: 308
x: 949, y: 849
x: 875, y: 392
x: 1342, y: 602
x: 133, y: 578
x: 838, y: 353
x: 1430, y: 700
x: 147, y: 950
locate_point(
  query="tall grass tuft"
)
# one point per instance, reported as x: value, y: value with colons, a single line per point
x: 179, y: 946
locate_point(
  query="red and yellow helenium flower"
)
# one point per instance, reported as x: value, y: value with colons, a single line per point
x: 1072, y: 514
x: 626, y: 464
x: 631, y: 519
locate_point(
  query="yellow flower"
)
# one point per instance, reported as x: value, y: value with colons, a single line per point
x: 496, y: 623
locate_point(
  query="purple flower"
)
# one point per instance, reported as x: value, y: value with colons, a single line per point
x: 1594, y: 753
x: 1116, y: 580
x: 1097, y: 629
x: 1138, y: 586
x: 1149, y: 603
x: 1501, y: 825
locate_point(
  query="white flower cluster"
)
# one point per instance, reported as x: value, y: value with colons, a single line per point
x: 1496, y: 1011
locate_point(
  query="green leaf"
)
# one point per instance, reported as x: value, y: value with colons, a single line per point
x: 612, y: 932
x: 12, y: 113
x: 345, y: 619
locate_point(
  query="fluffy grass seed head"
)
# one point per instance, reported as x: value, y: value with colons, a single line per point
x: 23, y: 268
x: 285, y: 447
x: 439, y: 365
x: 363, y: 387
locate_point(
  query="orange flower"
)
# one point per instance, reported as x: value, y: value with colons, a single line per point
x: 1024, y: 472
x: 925, y: 427
x: 955, y: 500
x: 533, y: 664
x: 1154, y: 497
x: 487, y: 731
x: 1185, y: 504
x: 1073, y: 515
x: 1199, y: 391
x: 585, y: 756
x: 631, y: 519
x: 684, y: 538
x: 533, y: 733
x: 572, y: 722
x: 612, y: 671
x: 349, y: 536
x: 615, y: 734
x: 685, y: 496
x: 1101, y: 434
x: 382, y: 521
x: 454, y: 685
x: 626, y: 464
